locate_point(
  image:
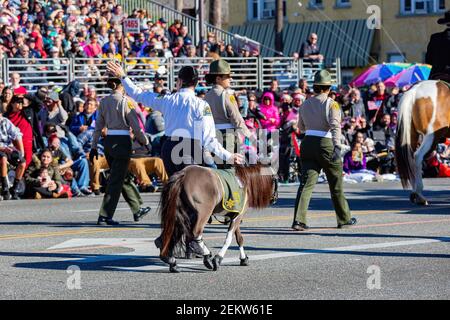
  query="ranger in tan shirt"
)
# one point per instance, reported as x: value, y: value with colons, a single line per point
x: 320, y: 120
x: 321, y: 116
x: 117, y: 114
x: 224, y: 107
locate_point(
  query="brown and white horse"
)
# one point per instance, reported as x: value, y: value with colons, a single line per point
x: 195, y: 193
x: 424, y: 120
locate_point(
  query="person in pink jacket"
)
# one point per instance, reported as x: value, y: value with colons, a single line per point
x: 270, y: 110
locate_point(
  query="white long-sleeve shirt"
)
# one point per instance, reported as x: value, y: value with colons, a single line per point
x: 185, y: 115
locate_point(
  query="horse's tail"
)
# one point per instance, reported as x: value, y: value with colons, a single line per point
x: 404, y: 153
x: 175, y: 220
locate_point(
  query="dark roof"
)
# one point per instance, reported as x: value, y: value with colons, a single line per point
x: 350, y: 40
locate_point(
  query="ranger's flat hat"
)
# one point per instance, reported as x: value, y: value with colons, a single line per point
x: 323, y: 78
x: 219, y: 67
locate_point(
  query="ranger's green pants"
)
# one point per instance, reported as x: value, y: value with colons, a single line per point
x: 117, y: 153
x: 316, y: 154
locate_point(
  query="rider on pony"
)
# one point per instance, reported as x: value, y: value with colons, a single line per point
x: 438, y: 52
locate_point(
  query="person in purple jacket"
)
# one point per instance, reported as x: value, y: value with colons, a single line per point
x: 355, y: 159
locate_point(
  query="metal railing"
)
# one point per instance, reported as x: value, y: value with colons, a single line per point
x: 248, y: 73
x: 201, y: 64
x: 91, y: 73
x: 308, y: 69
x: 35, y: 73
x: 245, y: 72
x: 143, y: 71
x: 285, y: 70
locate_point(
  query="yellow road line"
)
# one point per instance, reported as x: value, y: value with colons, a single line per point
x: 246, y: 218
x: 62, y: 233
x: 313, y: 230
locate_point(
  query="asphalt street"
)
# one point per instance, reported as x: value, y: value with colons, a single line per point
x: 52, y: 249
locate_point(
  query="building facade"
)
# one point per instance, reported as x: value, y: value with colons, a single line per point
x: 400, y: 34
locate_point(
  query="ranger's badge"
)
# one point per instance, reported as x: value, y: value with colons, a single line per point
x: 230, y: 204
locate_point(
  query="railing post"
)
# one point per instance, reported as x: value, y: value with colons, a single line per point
x: 5, y: 71
x: 338, y: 71
x: 171, y: 75
x: 260, y: 72
x: 71, y: 69
x: 300, y: 69
x: 4, y: 68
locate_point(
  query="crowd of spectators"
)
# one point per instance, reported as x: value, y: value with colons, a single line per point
x: 45, y: 140
x: 369, y: 122
x: 45, y: 136
x: 31, y: 29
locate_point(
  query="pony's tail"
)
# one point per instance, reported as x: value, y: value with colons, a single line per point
x: 175, y: 220
x: 404, y: 153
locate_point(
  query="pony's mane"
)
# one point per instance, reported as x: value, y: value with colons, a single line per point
x: 258, y: 184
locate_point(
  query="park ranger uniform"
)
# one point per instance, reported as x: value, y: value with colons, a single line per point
x: 189, y: 126
x: 117, y: 113
x: 320, y: 120
x: 224, y: 108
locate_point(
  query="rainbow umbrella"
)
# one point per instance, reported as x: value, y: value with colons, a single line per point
x: 383, y: 72
x: 379, y: 72
x: 413, y: 74
x: 359, y: 80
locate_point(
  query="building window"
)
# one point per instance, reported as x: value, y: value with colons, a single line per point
x: 343, y: 3
x: 263, y: 9
x: 439, y: 6
x: 411, y: 7
x: 395, y: 57
x: 315, y: 4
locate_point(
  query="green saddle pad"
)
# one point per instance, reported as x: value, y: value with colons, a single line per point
x: 234, y: 195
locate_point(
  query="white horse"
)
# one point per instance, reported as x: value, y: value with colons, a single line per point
x: 424, y: 119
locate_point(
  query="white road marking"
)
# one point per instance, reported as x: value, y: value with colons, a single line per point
x: 145, y: 248
x: 96, y: 210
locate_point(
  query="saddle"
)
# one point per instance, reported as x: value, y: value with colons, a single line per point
x: 234, y: 193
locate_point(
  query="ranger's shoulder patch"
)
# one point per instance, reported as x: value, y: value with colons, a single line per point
x: 335, y: 105
x: 207, y: 111
x: 232, y: 99
x: 131, y: 105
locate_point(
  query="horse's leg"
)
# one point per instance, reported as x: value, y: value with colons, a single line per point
x: 240, y: 241
x: 199, y: 246
x: 219, y: 257
x: 420, y: 153
x: 171, y: 261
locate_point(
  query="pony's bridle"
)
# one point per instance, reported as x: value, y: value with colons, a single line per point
x: 274, y: 197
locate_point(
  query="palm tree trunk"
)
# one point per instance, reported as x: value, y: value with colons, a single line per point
x: 215, y: 13
x: 279, y: 46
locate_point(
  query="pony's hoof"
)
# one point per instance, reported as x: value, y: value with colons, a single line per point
x: 413, y: 197
x: 168, y: 260
x: 173, y: 268
x: 244, y: 262
x: 216, y: 262
x: 417, y: 199
x: 207, y: 261
x: 423, y: 203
